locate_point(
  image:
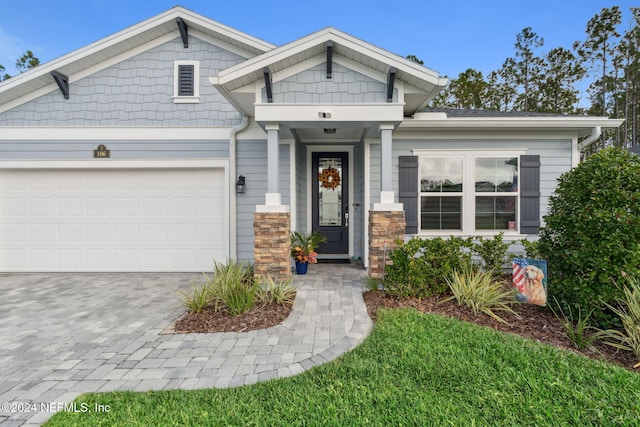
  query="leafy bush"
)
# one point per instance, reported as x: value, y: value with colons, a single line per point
x: 493, y: 253
x: 592, y: 232
x: 480, y: 291
x: 629, y: 312
x: 420, y: 266
x: 279, y: 292
x: 532, y: 249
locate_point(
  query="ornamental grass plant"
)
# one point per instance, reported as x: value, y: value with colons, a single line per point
x: 628, y: 309
x: 480, y: 291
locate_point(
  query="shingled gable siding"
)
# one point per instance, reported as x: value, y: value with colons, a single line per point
x: 136, y: 92
x: 345, y: 86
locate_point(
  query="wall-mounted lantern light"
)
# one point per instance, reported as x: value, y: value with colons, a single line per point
x: 241, y: 185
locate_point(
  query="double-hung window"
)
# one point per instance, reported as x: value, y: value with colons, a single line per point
x: 441, y: 193
x: 468, y: 192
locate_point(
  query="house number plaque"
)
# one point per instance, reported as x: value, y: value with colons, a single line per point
x: 101, y: 152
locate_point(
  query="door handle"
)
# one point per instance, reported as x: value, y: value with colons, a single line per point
x: 346, y: 219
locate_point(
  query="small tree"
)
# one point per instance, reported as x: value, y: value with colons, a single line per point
x: 592, y: 232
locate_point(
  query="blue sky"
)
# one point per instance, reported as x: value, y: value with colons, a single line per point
x: 449, y: 36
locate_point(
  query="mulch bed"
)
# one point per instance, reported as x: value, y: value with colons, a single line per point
x: 208, y: 320
x: 536, y: 323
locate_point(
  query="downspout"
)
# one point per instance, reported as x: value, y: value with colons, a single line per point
x: 233, y: 207
x: 596, y: 132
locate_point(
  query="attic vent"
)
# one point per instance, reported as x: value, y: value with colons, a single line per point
x: 186, y: 80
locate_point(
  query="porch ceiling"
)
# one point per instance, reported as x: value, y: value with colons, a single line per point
x: 343, y: 134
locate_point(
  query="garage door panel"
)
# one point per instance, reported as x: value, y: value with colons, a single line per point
x: 112, y: 220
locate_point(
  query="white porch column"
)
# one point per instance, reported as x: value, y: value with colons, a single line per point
x: 386, y: 152
x: 273, y: 160
x: 273, y: 198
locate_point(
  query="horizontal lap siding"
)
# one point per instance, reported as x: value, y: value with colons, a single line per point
x: 120, y: 149
x: 252, y: 163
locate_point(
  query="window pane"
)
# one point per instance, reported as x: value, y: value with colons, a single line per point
x: 441, y: 213
x: 495, y: 212
x: 330, y: 191
x: 441, y: 175
x: 496, y: 174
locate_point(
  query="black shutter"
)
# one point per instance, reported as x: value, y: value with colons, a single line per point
x: 529, y: 194
x: 185, y: 80
x: 408, y: 196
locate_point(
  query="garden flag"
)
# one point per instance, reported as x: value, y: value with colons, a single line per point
x: 530, y: 279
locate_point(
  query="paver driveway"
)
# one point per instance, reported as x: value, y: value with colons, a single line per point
x: 62, y: 335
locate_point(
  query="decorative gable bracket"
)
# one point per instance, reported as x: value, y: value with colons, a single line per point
x: 391, y: 79
x: 63, y: 83
x: 184, y: 32
x: 329, y: 59
x: 267, y: 84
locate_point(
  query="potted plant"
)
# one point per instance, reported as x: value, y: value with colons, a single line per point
x: 303, y: 249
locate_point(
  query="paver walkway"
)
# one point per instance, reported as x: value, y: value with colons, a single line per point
x: 62, y: 335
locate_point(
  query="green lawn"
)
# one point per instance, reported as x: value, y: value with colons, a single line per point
x: 414, y: 369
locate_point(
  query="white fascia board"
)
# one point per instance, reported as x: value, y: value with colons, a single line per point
x: 511, y: 123
x: 340, y: 113
x: 329, y: 34
x: 483, y: 134
x: 114, y: 133
x: 130, y: 33
x: 221, y: 44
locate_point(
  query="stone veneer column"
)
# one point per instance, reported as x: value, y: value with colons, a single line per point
x: 272, y: 246
x: 386, y: 225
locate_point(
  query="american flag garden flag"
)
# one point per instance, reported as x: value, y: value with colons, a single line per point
x: 519, y: 264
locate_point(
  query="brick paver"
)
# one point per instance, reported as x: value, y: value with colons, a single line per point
x: 67, y: 334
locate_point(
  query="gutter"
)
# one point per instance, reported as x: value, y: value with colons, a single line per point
x: 233, y: 199
x: 596, y: 132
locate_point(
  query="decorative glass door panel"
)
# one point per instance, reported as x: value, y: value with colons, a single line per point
x: 330, y: 201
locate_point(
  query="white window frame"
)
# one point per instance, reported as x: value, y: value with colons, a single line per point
x: 195, y: 98
x: 468, y: 191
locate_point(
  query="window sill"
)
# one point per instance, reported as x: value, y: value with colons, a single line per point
x: 186, y: 99
x: 508, y: 235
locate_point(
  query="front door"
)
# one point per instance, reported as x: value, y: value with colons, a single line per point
x: 330, y: 200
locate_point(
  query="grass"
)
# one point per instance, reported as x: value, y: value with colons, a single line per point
x: 414, y: 369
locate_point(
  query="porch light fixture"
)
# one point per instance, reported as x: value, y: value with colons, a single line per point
x: 329, y: 131
x: 241, y: 185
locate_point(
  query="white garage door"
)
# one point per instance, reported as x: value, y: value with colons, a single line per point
x: 112, y: 220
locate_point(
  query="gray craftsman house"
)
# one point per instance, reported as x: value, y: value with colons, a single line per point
x: 179, y: 141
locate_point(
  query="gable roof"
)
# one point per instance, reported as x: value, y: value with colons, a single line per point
x: 427, y: 82
x: 128, y: 41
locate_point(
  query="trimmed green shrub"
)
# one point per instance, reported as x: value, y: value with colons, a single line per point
x: 494, y: 253
x: 531, y: 249
x: 592, y: 233
x: 420, y: 266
